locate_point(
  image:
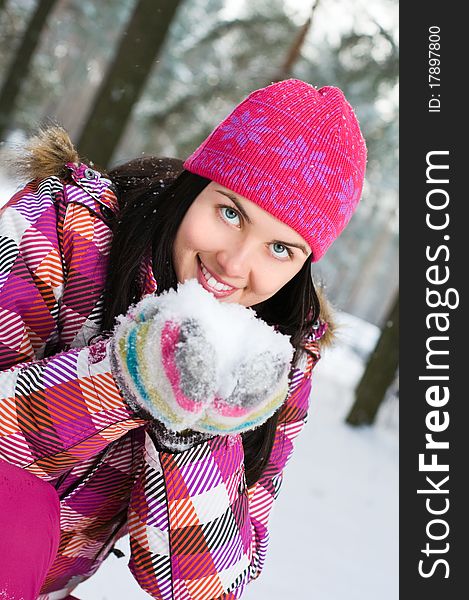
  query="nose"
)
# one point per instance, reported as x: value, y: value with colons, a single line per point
x: 236, y: 262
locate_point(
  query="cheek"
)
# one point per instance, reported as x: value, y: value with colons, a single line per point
x: 187, y: 237
x: 197, y: 231
x: 182, y: 251
x: 268, y: 282
x: 197, y: 234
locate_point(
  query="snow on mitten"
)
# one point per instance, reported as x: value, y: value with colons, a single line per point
x: 254, y: 362
x: 195, y: 363
x: 259, y: 387
x: 163, y: 362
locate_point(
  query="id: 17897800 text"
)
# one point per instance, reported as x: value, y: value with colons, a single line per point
x: 434, y: 103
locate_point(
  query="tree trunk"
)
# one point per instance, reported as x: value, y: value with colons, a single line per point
x: 379, y: 373
x: 295, y: 50
x: 21, y: 63
x: 125, y: 78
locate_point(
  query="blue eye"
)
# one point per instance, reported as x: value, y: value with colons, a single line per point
x: 230, y: 215
x: 280, y: 251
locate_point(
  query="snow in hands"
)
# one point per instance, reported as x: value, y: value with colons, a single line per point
x: 193, y: 362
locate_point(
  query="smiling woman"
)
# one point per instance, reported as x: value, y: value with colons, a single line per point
x: 234, y: 249
x: 158, y: 331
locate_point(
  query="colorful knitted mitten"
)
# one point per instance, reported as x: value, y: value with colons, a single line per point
x: 195, y: 363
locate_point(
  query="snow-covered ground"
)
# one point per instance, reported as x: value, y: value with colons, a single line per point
x: 334, y: 528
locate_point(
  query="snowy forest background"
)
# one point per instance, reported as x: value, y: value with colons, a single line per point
x: 127, y: 77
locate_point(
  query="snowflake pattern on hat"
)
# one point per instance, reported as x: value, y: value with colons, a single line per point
x: 244, y: 129
x: 348, y: 198
x: 299, y: 155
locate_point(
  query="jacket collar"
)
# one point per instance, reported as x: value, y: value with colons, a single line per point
x: 98, y: 187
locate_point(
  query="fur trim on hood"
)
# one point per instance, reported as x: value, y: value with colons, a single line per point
x: 45, y: 155
x: 326, y: 315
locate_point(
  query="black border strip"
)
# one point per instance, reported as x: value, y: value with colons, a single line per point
x: 433, y: 129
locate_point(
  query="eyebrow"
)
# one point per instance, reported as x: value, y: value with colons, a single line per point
x: 241, y: 209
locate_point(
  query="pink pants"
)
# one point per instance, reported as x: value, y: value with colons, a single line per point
x: 29, y: 532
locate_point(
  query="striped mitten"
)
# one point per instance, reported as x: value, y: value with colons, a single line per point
x: 194, y: 363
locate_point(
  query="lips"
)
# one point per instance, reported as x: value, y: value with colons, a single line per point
x: 211, y: 283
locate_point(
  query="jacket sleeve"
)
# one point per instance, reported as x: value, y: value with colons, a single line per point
x: 57, y: 412
x: 62, y: 409
x: 196, y: 531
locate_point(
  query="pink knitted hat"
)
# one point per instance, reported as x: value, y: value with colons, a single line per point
x: 294, y: 150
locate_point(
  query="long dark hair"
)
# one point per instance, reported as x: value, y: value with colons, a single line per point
x: 154, y: 194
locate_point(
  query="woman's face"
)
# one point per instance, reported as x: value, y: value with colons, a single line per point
x: 235, y: 249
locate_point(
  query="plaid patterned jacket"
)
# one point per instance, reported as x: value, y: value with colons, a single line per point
x: 196, y: 531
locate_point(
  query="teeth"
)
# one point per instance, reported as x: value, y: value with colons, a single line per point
x: 212, y: 282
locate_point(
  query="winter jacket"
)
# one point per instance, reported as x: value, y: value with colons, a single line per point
x: 196, y: 531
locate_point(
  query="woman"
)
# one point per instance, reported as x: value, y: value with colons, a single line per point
x: 134, y: 426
